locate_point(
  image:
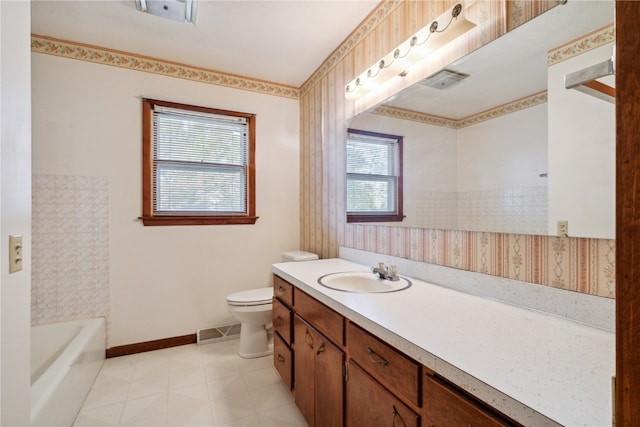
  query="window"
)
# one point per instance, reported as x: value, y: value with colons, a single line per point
x: 198, y: 165
x: 374, y: 177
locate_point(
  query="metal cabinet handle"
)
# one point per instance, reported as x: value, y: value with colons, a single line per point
x: 281, y: 358
x: 281, y: 288
x: 394, y: 411
x: 375, y: 358
x: 320, y: 349
x: 278, y: 321
x: 308, y: 339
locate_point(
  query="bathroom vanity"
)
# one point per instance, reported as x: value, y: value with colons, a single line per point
x: 432, y: 356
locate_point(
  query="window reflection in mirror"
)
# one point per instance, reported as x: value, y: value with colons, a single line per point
x: 374, y: 176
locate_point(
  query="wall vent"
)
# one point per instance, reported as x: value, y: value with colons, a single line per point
x: 218, y: 333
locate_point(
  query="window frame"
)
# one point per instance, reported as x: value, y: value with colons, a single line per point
x: 151, y: 218
x: 398, y: 216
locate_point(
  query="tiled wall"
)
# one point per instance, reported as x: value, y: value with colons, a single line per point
x: 504, y: 210
x: 70, y: 249
x: 575, y: 264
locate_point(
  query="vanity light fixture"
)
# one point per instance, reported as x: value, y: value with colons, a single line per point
x: 447, y: 27
x: 178, y: 10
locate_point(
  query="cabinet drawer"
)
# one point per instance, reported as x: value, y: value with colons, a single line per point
x: 282, y: 320
x: 369, y: 404
x: 283, y: 290
x: 390, y: 367
x: 321, y: 317
x: 444, y: 406
x: 283, y: 360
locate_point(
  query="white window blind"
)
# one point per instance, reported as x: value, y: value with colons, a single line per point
x: 372, y: 174
x: 199, y: 163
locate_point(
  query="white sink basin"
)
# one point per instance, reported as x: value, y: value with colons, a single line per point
x: 362, y: 282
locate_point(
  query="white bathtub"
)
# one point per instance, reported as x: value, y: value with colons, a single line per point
x: 65, y: 360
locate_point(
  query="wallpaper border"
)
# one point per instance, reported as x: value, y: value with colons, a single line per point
x: 592, y: 40
x: 502, y: 110
x: 131, y: 61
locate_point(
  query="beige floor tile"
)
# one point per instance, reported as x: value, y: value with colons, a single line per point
x: 282, y: 416
x: 145, y: 411
x: 106, y: 391
x: 100, y: 417
x: 231, y: 407
x: 193, y: 385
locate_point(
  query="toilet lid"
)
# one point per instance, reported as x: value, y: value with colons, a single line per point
x: 252, y: 297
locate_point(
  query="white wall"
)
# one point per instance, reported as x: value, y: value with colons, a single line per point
x: 15, y: 205
x: 165, y: 281
x: 510, y: 150
x: 581, y: 153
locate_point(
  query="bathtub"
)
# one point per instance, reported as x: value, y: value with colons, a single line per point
x: 65, y: 360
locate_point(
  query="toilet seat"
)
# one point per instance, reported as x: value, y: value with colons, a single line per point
x: 251, y: 297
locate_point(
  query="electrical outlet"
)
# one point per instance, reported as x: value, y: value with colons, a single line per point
x: 563, y: 228
x: 15, y: 253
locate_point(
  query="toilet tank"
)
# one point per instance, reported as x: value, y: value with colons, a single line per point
x: 294, y: 256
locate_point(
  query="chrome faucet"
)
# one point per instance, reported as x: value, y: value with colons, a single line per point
x: 386, y: 273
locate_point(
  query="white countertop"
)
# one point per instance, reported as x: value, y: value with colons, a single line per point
x: 537, y: 368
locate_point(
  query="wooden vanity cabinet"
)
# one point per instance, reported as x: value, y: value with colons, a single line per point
x: 318, y: 376
x: 309, y: 353
x: 378, y: 386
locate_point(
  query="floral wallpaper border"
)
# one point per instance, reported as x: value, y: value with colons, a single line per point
x: 512, y: 107
x: 104, y: 56
x: 593, y: 40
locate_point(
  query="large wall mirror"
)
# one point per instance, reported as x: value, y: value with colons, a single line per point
x: 496, y: 142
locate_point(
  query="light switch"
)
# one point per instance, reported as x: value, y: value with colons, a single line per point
x: 15, y: 253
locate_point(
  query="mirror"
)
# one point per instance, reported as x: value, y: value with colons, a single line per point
x: 497, y: 143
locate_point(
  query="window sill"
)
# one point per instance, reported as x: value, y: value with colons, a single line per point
x: 197, y: 220
x: 374, y: 218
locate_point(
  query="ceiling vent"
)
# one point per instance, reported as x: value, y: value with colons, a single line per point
x: 444, y: 79
x: 177, y: 10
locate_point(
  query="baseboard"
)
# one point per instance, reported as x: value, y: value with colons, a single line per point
x: 141, y: 347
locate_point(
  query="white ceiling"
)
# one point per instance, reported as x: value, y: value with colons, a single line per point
x: 278, y: 41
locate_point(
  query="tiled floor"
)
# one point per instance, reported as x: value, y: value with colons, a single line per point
x: 207, y: 385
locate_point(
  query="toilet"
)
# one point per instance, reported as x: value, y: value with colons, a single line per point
x: 253, y: 309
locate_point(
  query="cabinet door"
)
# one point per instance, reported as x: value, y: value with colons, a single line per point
x: 371, y: 405
x: 305, y: 342
x: 318, y: 379
x: 329, y: 384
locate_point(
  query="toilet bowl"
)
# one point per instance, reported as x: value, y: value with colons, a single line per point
x: 253, y: 308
